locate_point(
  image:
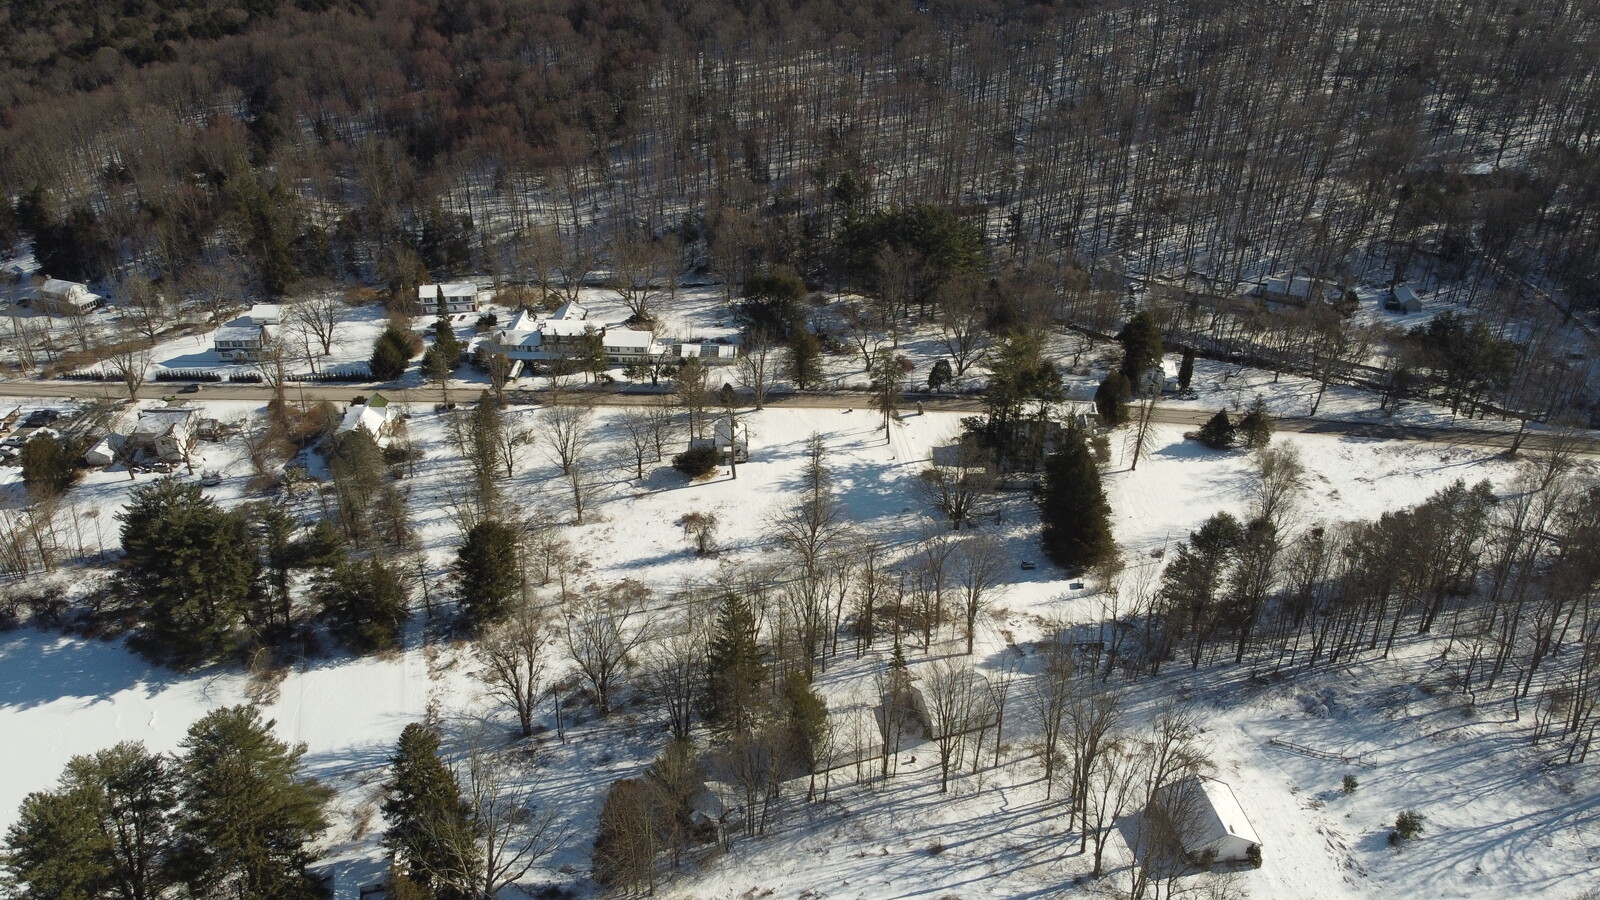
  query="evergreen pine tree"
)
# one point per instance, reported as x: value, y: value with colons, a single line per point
x: 391, y: 354
x: 1186, y: 369
x: 190, y: 567
x: 805, y: 719
x: 940, y: 375
x: 490, y: 575
x: 446, y: 344
x: 1110, y: 399
x: 805, y: 359
x: 56, y: 847
x: 247, y: 812
x: 1074, y: 516
x: 1141, y: 348
x: 735, y: 673
x: 1255, y: 426
x: 104, y: 832
x: 1218, y: 432
x: 431, y: 831
x: 49, y: 465
x: 365, y: 605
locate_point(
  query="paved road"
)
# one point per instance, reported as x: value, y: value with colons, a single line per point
x: 1585, y: 442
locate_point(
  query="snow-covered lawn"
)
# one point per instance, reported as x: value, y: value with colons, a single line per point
x: 1500, y: 822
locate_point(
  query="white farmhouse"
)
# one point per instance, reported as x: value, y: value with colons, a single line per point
x: 376, y: 416
x: 1208, y: 820
x: 246, y: 339
x: 168, y: 434
x: 65, y: 298
x: 458, y: 297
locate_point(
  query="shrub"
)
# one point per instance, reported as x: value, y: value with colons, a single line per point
x: 697, y: 462
x: 1349, y: 785
x: 1254, y: 855
x: 1407, y: 826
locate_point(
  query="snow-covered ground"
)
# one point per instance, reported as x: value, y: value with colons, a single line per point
x: 1501, y: 822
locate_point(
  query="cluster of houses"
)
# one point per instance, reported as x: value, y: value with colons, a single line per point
x: 1299, y: 290
x: 536, y: 339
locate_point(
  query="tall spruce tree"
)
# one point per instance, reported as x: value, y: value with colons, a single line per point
x: 1110, y: 399
x: 490, y: 576
x: 735, y: 673
x: 1073, y: 512
x: 1141, y: 348
x: 431, y: 831
x: 190, y: 568
x: 248, y: 814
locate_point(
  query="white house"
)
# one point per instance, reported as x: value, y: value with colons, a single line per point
x: 1403, y: 299
x: 1208, y: 820
x: 532, y: 338
x: 625, y: 346
x: 103, y: 453
x: 247, y: 338
x: 458, y: 297
x: 65, y: 298
x: 376, y: 416
x: 167, y: 434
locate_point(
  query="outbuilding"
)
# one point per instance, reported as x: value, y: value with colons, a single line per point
x: 1208, y: 822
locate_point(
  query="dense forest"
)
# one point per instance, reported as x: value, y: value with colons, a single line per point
x: 359, y: 139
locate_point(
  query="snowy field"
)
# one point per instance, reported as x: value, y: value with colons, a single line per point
x: 1501, y: 822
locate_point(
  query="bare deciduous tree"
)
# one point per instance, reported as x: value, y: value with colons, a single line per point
x: 512, y: 659
x: 953, y: 692
x: 700, y: 527
x: 638, y: 431
x: 130, y: 361
x: 958, y: 488
x: 318, y: 315
x: 566, y: 436
x: 980, y: 560
x: 758, y: 364
x: 603, y: 629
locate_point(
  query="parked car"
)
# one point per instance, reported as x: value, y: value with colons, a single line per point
x: 41, y: 417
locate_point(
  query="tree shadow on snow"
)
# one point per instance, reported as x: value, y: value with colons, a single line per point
x: 38, y: 667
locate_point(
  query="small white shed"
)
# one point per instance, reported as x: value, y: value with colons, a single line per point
x: 103, y: 453
x: 1208, y: 820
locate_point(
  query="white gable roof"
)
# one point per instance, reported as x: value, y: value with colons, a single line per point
x: 163, y: 420
x: 628, y: 337
x: 57, y: 287
x: 373, y: 419
x: 1214, y: 813
x: 454, y: 289
x: 570, y: 310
